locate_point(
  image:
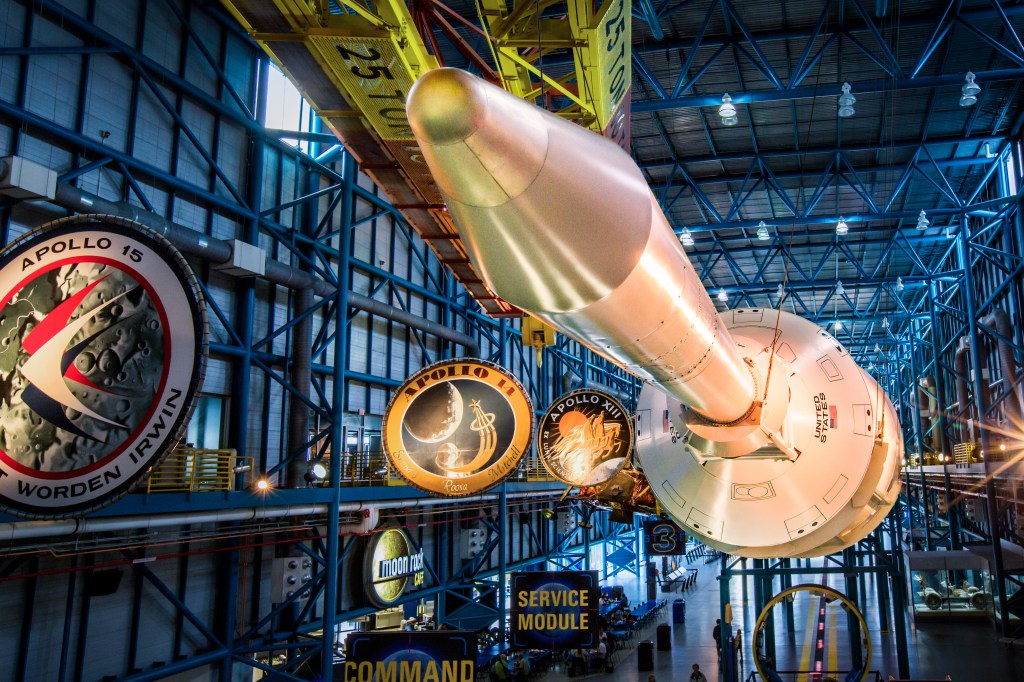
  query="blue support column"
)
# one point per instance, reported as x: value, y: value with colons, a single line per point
x: 502, y: 559
x: 331, y: 552
x: 978, y: 388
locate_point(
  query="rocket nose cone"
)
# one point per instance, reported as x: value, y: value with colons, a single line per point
x: 483, y: 145
x: 445, y: 106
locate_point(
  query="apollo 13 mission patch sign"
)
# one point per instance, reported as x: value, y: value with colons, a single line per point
x: 102, y: 349
x: 458, y: 427
x: 585, y: 438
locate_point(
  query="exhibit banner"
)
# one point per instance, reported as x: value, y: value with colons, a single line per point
x: 410, y: 657
x: 103, y: 330
x: 555, y: 609
x: 390, y: 566
x: 585, y: 438
x: 664, y: 538
x: 458, y: 427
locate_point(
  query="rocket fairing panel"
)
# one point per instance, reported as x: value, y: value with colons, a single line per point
x: 757, y: 430
x: 810, y: 509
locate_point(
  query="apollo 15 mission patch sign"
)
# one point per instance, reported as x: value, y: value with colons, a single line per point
x: 585, y: 438
x: 458, y: 427
x: 102, y: 349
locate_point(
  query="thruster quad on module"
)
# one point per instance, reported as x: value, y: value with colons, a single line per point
x: 756, y: 429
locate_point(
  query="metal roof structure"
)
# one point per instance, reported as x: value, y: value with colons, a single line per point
x: 793, y: 163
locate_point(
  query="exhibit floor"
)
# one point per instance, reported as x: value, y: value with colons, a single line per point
x: 967, y: 652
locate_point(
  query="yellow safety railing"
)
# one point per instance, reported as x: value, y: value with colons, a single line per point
x: 197, y: 469
x: 203, y: 470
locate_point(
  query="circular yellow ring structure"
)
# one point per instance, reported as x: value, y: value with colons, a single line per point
x: 762, y: 621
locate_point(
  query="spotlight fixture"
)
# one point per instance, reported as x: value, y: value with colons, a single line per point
x: 727, y: 111
x: 723, y: 295
x: 685, y: 238
x: 241, y: 468
x: 878, y: 348
x: 922, y: 220
x: 846, y: 102
x: 969, y: 91
x: 885, y: 322
x: 840, y: 289
x: 841, y: 227
x: 838, y: 325
x: 263, y: 485
x: 762, y: 232
x: 781, y: 291
x: 316, y: 472
x: 899, y: 285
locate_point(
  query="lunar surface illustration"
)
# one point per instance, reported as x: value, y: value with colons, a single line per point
x: 445, y: 438
x: 111, y: 366
x: 435, y: 414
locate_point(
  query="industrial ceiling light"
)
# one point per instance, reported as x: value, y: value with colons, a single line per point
x: 841, y: 227
x: 781, y: 291
x: 316, y: 472
x: 922, y: 221
x: 838, y: 325
x: 263, y: 485
x: 878, y: 348
x: 723, y: 295
x: 840, y: 289
x: 727, y: 111
x: 969, y: 91
x: 762, y: 232
x: 846, y: 102
x: 899, y: 285
x: 685, y: 238
x: 885, y: 322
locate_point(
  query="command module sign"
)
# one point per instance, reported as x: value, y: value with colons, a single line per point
x: 410, y: 657
x: 664, y: 538
x: 555, y: 610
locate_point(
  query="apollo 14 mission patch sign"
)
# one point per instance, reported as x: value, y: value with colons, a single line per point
x: 458, y: 427
x: 102, y: 349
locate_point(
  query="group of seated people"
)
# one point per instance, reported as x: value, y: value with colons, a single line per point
x: 513, y: 668
x: 583, y: 661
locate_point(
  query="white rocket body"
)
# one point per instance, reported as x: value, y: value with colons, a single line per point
x: 761, y: 446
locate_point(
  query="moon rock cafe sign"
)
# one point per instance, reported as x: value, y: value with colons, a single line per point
x: 102, y: 348
x: 458, y: 427
x: 585, y: 438
x: 390, y: 564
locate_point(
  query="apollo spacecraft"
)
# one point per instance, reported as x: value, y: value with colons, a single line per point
x: 755, y: 428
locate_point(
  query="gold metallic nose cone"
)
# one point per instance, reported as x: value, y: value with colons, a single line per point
x: 483, y: 145
x: 445, y: 106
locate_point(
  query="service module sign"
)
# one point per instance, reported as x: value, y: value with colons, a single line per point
x: 585, y: 438
x: 391, y: 566
x: 410, y: 657
x: 102, y: 348
x: 458, y: 427
x: 555, y: 609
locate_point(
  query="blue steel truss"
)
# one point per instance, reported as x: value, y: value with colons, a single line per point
x: 909, y: 296
x: 313, y: 352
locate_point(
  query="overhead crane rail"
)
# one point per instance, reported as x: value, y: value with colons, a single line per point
x: 355, y: 68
